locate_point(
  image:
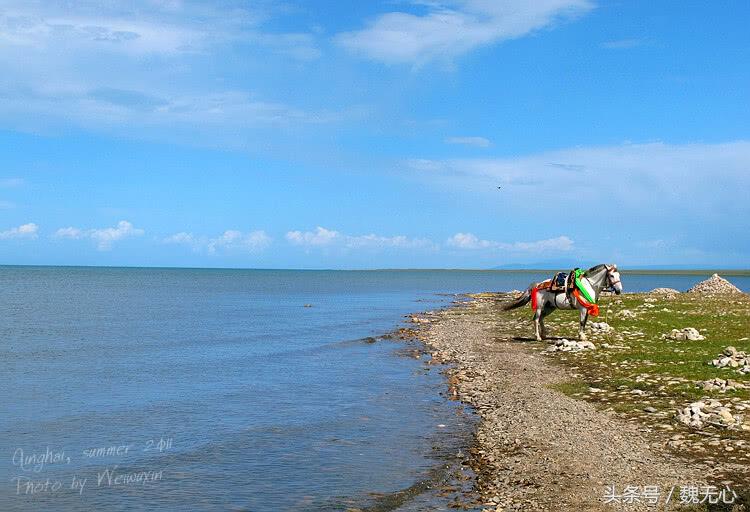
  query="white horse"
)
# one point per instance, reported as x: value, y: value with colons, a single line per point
x: 599, y: 277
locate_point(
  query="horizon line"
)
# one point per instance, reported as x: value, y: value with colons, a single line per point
x: 654, y: 269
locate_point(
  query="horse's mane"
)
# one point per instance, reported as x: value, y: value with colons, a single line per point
x: 596, y: 268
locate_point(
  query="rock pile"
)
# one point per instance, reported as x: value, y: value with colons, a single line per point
x: 718, y: 384
x: 710, y: 412
x: 565, y: 345
x: 714, y: 284
x: 733, y: 358
x: 688, y: 333
x: 665, y: 291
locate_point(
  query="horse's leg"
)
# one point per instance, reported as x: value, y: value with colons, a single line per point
x: 546, y: 310
x: 537, y: 324
x: 538, y: 317
x: 582, y: 324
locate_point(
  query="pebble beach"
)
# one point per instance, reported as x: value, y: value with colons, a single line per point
x: 557, y: 432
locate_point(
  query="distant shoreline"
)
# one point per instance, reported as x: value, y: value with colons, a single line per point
x: 634, y: 271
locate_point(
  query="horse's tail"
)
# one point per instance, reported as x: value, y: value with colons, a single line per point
x: 520, y: 301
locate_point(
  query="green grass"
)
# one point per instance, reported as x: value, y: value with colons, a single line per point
x: 722, y: 320
x: 571, y: 387
x: 641, y: 369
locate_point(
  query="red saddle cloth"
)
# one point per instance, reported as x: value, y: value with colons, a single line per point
x: 593, y: 309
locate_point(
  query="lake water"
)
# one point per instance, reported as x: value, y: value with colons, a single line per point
x: 185, y: 389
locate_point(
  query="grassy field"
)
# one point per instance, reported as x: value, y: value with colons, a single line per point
x: 638, y: 373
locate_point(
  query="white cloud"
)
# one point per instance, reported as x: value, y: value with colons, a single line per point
x: 70, y: 232
x: 107, y: 236
x: 321, y: 236
x: 470, y: 241
x: 399, y: 241
x: 229, y: 240
x: 181, y: 238
x: 103, y: 237
x: 452, y: 28
x: 479, y: 142
x: 326, y: 237
x: 24, y: 231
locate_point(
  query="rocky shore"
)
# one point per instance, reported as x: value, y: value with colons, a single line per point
x: 539, y: 446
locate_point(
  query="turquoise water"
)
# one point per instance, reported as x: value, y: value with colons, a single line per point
x: 220, y: 390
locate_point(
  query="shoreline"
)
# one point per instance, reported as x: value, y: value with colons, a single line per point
x: 535, y: 446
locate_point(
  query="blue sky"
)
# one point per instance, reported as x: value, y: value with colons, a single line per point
x: 296, y: 134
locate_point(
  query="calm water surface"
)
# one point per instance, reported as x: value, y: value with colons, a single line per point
x: 222, y: 391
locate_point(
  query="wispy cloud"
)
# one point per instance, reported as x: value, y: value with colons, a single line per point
x: 53, y: 53
x: 103, y: 237
x: 451, y: 28
x: 662, y: 175
x: 321, y: 237
x: 108, y: 107
x: 229, y: 240
x: 613, y: 196
x: 567, y: 167
x: 145, y: 28
x: 479, y: 142
x: 25, y: 231
x: 139, y: 27
x: 470, y: 241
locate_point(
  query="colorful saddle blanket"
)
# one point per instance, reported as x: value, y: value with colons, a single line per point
x: 574, y: 285
x: 584, y: 293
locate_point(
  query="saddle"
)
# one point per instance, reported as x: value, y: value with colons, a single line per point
x: 561, y: 282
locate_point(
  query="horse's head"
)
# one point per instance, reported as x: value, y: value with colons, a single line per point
x: 613, y: 279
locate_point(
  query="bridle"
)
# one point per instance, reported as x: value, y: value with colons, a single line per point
x: 610, y: 276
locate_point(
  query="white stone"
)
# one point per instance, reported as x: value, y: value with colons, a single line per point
x: 601, y: 326
x: 688, y: 333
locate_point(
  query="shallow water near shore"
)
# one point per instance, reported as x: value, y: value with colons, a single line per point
x: 228, y: 392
